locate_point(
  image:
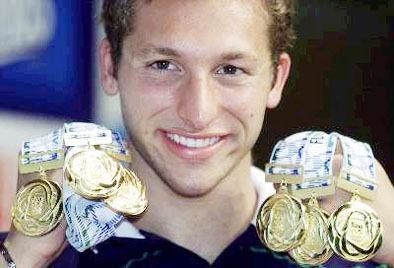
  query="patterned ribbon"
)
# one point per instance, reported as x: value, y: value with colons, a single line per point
x: 287, y: 157
x: 45, y: 152
x: 89, y: 222
x: 358, y: 174
x: 318, y: 168
x: 311, y: 153
x: 305, y: 152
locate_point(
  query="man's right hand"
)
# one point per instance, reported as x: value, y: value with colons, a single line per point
x: 38, y: 251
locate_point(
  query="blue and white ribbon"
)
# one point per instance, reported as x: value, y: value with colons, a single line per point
x: 45, y: 152
x: 117, y: 148
x: 318, y: 168
x: 88, y: 222
x: 287, y: 158
x: 80, y: 134
x: 309, y: 155
x: 358, y: 173
x: 51, y: 142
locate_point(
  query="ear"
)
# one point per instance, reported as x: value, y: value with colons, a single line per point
x: 282, y: 73
x: 107, y: 70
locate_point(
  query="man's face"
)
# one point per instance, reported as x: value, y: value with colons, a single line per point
x: 195, y: 78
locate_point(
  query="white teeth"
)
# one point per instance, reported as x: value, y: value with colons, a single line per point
x: 191, y: 142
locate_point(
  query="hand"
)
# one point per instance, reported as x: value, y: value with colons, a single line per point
x: 382, y: 206
x: 37, y: 251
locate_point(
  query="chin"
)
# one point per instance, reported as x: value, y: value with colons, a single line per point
x: 193, y: 187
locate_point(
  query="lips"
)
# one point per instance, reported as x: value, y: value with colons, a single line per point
x: 193, y: 142
x: 193, y: 146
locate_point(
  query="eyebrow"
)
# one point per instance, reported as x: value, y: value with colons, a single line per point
x: 238, y: 56
x: 165, y: 51
x: 170, y: 52
x: 233, y: 56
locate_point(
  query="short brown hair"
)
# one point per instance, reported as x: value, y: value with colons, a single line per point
x: 117, y: 17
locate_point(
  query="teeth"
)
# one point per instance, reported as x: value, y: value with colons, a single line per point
x: 193, y: 143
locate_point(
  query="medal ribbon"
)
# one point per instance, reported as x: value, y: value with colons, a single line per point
x: 287, y: 158
x: 89, y: 222
x: 318, y: 177
x: 358, y: 174
x: 44, y: 152
x: 308, y: 154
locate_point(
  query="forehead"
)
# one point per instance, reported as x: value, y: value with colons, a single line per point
x: 256, y: 5
x: 189, y: 8
x: 208, y: 22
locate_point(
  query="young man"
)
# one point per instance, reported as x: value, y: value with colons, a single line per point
x: 195, y: 78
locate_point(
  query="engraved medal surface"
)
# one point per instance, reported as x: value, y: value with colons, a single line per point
x: 316, y: 249
x: 37, y: 208
x: 281, y: 221
x: 93, y: 174
x: 355, y: 231
x: 131, y: 198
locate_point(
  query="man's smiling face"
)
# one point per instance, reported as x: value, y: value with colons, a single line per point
x: 195, y: 79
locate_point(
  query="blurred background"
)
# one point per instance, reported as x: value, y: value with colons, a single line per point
x: 341, y: 77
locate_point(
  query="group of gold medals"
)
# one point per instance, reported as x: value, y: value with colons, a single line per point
x: 292, y: 220
x: 95, y: 175
x: 94, y: 161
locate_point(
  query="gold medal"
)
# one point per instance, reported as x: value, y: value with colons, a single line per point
x: 355, y: 231
x: 131, y: 197
x: 93, y: 174
x: 281, y: 221
x: 316, y: 249
x: 37, y: 208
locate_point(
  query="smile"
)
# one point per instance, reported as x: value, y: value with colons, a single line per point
x: 193, y: 142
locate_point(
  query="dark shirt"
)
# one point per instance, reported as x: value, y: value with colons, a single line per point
x: 154, y: 251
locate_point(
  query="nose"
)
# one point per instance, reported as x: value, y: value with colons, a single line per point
x: 198, y: 102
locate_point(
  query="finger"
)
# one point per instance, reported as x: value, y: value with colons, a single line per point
x: 337, y: 164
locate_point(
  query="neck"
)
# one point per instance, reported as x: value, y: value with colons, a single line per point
x: 206, y: 224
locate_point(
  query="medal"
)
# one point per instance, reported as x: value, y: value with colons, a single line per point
x: 37, y: 209
x: 304, y: 160
x: 281, y: 221
x: 92, y: 173
x: 318, y: 181
x: 281, y: 218
x: 355, y: 231
x: 315, y: 249
x: 131, y: 197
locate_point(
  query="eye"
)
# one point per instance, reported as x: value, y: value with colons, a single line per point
x: 229, y: 69
x: 163, y: 65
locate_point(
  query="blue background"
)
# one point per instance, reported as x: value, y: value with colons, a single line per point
x: 57, y: 80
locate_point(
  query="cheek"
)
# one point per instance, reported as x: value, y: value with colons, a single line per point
x: 150, y: 92
x: 248, y: 104
x: 251, y: 111
x: 141, y: 102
